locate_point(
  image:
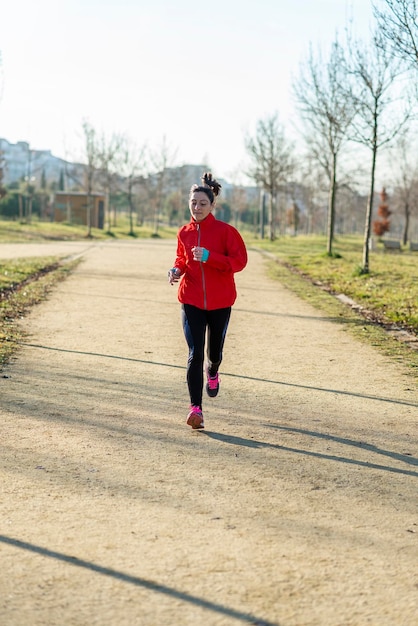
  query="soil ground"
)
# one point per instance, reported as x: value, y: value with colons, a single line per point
x: 296, y: 506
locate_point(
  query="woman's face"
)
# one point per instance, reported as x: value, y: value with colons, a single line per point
x: 200, y: 205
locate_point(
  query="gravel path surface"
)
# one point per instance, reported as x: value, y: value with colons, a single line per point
x: 298, y: 504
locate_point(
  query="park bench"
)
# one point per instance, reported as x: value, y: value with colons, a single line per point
x: 391, y: 244
x: 413, y: 246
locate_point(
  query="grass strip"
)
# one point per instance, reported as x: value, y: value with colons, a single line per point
x: 389, y: 292
x: 16, y: 232
x: 351, y: 321
x: 23, y: 284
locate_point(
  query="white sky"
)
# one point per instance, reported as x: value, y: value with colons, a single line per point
x: 199, y: 73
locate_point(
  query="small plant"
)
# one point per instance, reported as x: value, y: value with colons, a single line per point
x: 332, y: 255
x: 360, y: 271
x: 382, y: 225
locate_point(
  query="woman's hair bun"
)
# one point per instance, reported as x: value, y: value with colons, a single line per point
x: 209, y: 181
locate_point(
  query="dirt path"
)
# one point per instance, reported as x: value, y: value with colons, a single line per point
x: 297, y: 506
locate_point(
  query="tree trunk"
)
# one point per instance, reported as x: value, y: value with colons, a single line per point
x: 262, y: 213
x: 366, y: 244
x: 156, y: 218
x: 331, y: 205
x: 131, y: 214
x: 406, y: 226
x: 29, y: 213
x: 89, y: 215
x: 108, y: 211
x: 272, y: 218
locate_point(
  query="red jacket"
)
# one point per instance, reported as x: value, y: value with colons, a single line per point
x: 209, y: 285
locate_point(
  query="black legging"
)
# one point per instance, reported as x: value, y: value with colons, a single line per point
x: 195, y: 322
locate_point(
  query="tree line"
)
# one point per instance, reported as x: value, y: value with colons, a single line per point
x: 356, y: 93
x: 352, y: 100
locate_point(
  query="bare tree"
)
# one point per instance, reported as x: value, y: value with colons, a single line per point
x: 109, y: 150
x: 398, y: 23
x: 327, y: 114
x: 271, y: 156
x: 237, y: 195
x: 239, y: 202
x: 178, y: 199
x: 161, y: 158
x: 405, y: 185
x: 311, y: 182
x: 92, y: 154
x: 131, y: 166
x: 374, y: 71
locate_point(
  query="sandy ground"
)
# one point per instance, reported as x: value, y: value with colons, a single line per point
x: 298, y: 505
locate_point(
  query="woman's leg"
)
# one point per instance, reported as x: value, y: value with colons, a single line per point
x: 194, y: 327
x: 217, y: 321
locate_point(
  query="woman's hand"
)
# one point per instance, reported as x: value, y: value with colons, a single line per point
x: 173, y: 275
x: 200, y: 254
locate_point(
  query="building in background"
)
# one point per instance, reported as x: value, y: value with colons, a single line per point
x: 22, y: 163
x: 72, y: 207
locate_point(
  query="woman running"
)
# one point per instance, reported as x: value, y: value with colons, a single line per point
x: 209, y: 252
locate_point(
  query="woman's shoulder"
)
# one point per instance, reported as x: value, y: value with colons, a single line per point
x: 227, y: 227
x: 221, y: 224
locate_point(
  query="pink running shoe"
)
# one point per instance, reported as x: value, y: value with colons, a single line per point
x: 212, y: 386
x: 195, y: 417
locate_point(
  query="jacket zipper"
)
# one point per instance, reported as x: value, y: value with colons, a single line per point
x: 201, y: 269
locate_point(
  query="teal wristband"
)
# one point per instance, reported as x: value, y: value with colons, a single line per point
x: 205, y: 255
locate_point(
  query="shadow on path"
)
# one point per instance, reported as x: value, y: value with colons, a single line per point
x: 139, y: 582
x: 240, y: 376
x: 251, y: 443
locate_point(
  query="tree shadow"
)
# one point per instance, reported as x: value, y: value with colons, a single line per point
x: 137, y: 581
x: 226, y: 374
x: 405, y: 458
x: 251, y: 443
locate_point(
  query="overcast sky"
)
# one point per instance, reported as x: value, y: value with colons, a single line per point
x: 199, y: 73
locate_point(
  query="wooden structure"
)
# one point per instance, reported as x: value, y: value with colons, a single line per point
x: 72, y: 207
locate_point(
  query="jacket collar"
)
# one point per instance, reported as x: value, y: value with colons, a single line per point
x: 206, y: 222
